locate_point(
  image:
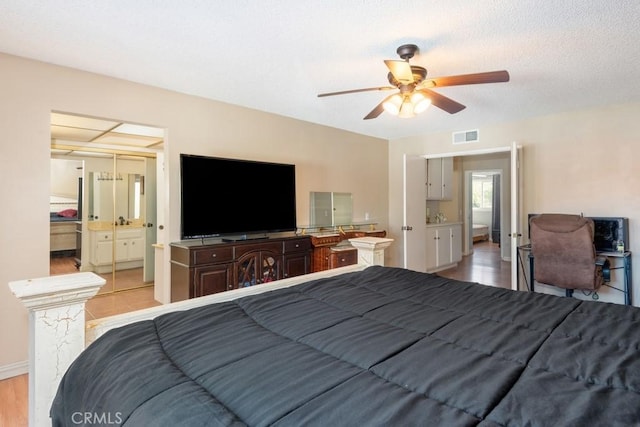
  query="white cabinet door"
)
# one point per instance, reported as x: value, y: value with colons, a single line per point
x: 432, y: 248
x: 447, y: 178
x: 456, y: 243
x: 440, y: 179
x: 103, y: 253
x: 434, y: 179
x: 122, y: 250
x: 443, y: 246
x: 136, y: 248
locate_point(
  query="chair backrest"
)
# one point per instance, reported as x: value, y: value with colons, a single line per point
x: 563, y: 251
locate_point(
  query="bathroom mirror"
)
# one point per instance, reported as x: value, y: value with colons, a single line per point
x: 129, y: 191
x: 330, y: 209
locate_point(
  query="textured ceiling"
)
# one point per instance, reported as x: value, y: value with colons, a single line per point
x: 277, y: 55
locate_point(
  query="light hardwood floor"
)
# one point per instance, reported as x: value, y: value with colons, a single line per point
x: 483, y: 266
x: 14, y: 392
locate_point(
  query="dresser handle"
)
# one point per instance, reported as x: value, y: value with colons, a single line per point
x: 213, y: 255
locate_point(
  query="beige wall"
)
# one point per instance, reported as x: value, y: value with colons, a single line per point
x: 574, y: 162
x: 326, y: 159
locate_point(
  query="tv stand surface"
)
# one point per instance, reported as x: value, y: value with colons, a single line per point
x: 203, y: 269
x: 244, y: 238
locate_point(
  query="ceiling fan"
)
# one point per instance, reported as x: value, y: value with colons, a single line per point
x: 415, y: 93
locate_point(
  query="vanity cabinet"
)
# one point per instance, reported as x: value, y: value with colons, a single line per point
x: 330, y: 250
x: 440, y: 179
x: 444, y: 246
x: 198, y: 270
x: 129, y: 249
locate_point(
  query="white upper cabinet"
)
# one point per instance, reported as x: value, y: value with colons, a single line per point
x: 439, y: 178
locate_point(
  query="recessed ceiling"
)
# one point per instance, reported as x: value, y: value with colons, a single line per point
x: 73, y: 133
x: 276, y: 56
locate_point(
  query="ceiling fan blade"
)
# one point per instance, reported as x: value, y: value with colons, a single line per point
x: 401, y: 70
x: 377, y: 111
x: 343, y: 92
x: 442, y: 102
x: 470, y: 79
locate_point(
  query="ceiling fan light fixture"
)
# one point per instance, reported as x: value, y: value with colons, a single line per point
x: 420, y: 102
x: 406, y: 109
x: 393, y: 105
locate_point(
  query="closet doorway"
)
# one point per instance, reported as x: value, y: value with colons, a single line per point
x: 115, y: 199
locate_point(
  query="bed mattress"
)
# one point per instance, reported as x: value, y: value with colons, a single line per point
x: 381, y: 347
x: 480, y: 232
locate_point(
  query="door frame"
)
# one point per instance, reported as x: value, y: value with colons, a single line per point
x: 513, y: 149
x: 467, y: 248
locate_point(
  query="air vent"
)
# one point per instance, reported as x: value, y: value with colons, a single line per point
x: 466, y: 137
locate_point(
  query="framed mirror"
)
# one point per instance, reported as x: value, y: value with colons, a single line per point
x: 330, y: 209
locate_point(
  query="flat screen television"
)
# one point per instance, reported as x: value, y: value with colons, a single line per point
x: 238, y: 198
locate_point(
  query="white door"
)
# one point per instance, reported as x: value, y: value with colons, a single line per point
x: 150, y: 210
x: 516, y: 231
x: 415, y: 212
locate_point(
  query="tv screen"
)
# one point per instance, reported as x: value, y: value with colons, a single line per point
x: 235, y: 197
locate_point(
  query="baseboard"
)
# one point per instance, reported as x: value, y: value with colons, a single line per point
x: 14, y: 369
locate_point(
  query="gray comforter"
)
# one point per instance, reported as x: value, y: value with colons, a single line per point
x: 381, y: 347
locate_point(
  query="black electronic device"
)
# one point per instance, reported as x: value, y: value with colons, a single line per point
x: 231, y: 197
x: 610, y: 233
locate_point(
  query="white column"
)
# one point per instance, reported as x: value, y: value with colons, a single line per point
x: 370, y: 249
x: 56, y: 332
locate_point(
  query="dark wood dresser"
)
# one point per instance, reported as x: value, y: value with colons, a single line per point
x: 198, y: 270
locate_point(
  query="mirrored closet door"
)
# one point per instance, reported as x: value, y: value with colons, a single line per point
x: 116, y: 223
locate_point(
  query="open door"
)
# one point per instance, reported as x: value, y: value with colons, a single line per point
x: 415, y: 211
x: 516, y: 231
x: 151, y: 209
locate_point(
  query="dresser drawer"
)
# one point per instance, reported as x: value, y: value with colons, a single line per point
x: 103, y: 236
x: 341, y: 257
x: 297, y: 245
x: 212, y: 255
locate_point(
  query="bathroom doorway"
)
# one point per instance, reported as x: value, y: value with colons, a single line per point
x: 114, y: 202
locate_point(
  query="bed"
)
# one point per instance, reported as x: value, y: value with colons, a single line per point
x: 63, y: 214
x: 480, y: 232
x: 380, y: 346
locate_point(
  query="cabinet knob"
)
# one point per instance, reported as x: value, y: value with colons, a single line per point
x: 213, y: 255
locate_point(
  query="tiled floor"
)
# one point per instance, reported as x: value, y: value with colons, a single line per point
x: 129, y: 293
x: 119, y: 302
